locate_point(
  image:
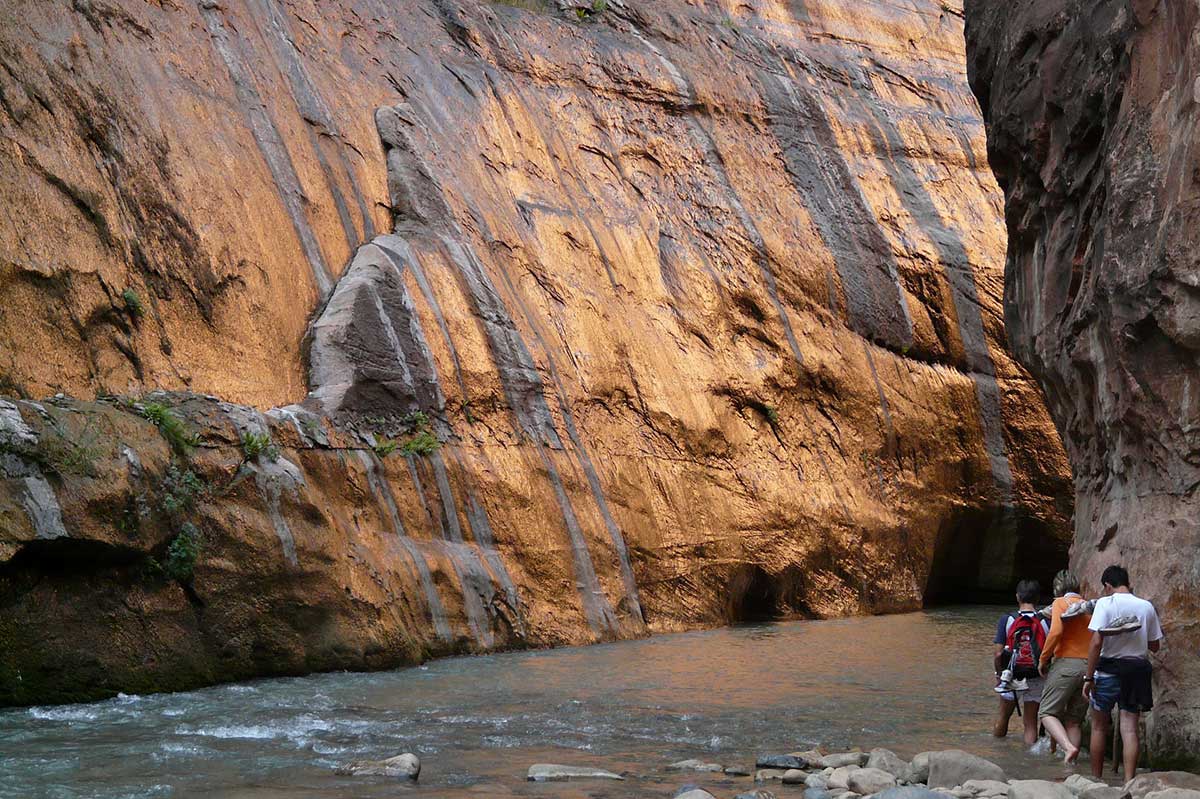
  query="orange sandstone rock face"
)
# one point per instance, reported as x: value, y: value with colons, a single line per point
x: 703, y: 305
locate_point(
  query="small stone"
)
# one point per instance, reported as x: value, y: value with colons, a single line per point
x: 764, y: 774
x: 870, y: 780
x: 817, y: 793
x: 695, y: 765
x: 736, y: 771
x: 909, y: 792
x: 781, y: 762
x: 692, y: 792
x: 793, y: 776
x: 954, y: 767
x: 989, y: 787
x: 844, y: 759
x: 550, y: 772
x: 1038, y: 789
x: 918, y: 768
x: 840, y: 778
x: 1079, y: 783
x: 760, y: 794
x: 889, y: 761
x: 1103, y: 792
x: 406, y: 766
x: 818, y: 781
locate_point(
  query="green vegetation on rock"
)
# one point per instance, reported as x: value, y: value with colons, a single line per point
x: 180, y: 564
x: 255, y: 444
x: 423, y: 443
x: 172, y: 428
x: 133, y: 303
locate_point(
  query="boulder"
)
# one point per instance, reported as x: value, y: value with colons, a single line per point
x: 870, y: 780
x: 551, y: 772
x: 817, y: 793
x: 844, y: 759
x: 695, y: 765
x: 692, y: 792
x: 1154, y: 781
x: 1038, y: 789
x: 781, y: 761
x: 736, y: 771
x: 840, y: 778
x: 846, y: 795
x: 793, y: 776
x: 818, y: 781
x: 953, y: 767
x: 889, y: 761
x: 918, y: 768
x: 765, y: 774
x: 1079, y: 783
x: 406, y: 766
x: 984, y: 788
x: 1174, y: 793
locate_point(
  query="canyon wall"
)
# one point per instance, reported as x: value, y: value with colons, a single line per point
x: 402, y: 329
x: 1092, y: 111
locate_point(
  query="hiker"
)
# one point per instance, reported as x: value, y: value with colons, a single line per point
x: 1125, y: 630
x: 1062, y: 665
x: 1020, y: 638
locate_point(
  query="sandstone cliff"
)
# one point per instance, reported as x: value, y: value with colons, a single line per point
x: 577, y: 322
x: 1092, y: 111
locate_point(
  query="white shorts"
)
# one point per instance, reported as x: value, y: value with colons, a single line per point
x: 1034, y: 694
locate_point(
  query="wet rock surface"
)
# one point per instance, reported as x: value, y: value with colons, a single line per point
x: 702, y: 307
x: 1089, y: 108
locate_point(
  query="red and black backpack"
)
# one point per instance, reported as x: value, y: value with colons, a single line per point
x: 1025, y: 639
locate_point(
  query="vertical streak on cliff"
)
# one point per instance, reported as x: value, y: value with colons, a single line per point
x: 704, y: 142
x: 270, y: 144
x: 382, y: 491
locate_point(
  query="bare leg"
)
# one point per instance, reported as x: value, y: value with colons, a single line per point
x: 1100, y: 725
x: 1130, y: 743
x: 1075, y: 733
x: 1061, y: 734
x: 1006, y: 710
x: 1031, y: 723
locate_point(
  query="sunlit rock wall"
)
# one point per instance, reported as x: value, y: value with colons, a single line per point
x: 1092, y: 112
x: 701, y: 300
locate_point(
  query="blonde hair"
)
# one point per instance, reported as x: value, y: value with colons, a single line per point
x: 1065, y: 581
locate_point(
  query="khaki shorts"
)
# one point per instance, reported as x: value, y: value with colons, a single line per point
x: 1062, y: 697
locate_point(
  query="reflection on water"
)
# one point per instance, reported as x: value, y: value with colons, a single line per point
x: 913, y: 682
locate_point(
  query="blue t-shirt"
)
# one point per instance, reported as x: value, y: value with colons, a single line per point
x: 1006, y: 621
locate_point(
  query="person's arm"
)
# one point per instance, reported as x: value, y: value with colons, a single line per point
x: 1089, y: 676
x: 1154, y: 632
x: 1056, y: 629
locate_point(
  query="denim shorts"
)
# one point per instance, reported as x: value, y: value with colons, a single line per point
x: 1129, y: 688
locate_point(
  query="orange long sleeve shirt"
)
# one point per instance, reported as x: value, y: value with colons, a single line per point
x: 1070, y: 638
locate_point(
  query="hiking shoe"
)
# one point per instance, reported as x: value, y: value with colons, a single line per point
x: 1084, y: 608
x: 1020, y: 685
x: 1123, y: 624
x: 1046, y: 612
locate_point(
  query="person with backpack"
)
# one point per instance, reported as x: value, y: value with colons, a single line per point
x: 1125, y: 630
x: 1063, y: 662
x: 1020, y: 639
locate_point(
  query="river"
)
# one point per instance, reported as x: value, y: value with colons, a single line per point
x: 909, y: 682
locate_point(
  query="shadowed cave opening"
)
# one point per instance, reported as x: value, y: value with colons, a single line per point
x: 981, y: 553
x: 756, y: 595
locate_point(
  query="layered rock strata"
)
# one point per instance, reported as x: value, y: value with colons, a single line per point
x: 578, y: 324
x: 1091, y: 111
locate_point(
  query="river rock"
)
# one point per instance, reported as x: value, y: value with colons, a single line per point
x: 1078, y: 783
x: 695, y: 765
x: 1038, y: 789
x: 551, y: 772
x: 406, y: 766
x: 758, y: 794
x: 793, y: 776
x: 693, y: 792
x: 736, y: 771
x: 819, y: 781
x: 908, y: 792
x: 918, y: 768
x: 765, y: 774
x: 1104, y: 792
x: 1156, y: 781
x: 840, y: 759
x: 870, y: 780
x: 953, y: 767
x: 817, y: 793
x: 988, y: 788
x: 840, y: 778
x: 889, y: 761
x: 781, y: 761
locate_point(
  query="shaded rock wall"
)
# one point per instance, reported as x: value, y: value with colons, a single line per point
x: 1092, y: 112
x: 702, y: 302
